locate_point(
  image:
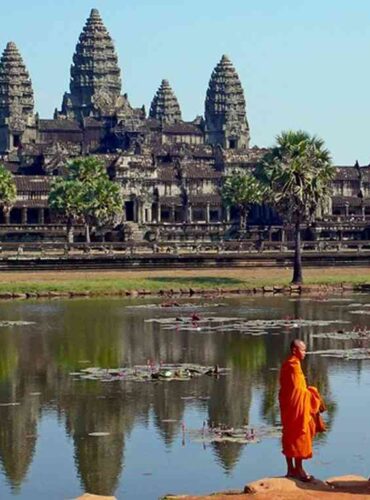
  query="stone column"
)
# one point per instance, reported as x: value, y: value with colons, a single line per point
x: 208, y: 213
x: 24, y: 215
x: 346, y: 208
x: 138, y: 217
x: 227, y: 214
x: 173, y: 213
x: 159, y: 215
x: 41, y: 216
x: 150, y: 214
x: 7, y: 216
x: 190, y: 214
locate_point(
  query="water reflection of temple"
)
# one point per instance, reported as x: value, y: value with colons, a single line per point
x: 35, y: 367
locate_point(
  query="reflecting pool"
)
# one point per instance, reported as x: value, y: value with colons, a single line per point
x: 62, y: 435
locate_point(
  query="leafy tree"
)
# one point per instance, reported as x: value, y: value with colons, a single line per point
x: 298, y: 172
x: 104, y: 203
x: 87, y: 193
x: 242, y: 190
x: 8, y: 190
x: 66, y: 198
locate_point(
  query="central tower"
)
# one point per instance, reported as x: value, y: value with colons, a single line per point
x: 95, y: 85
x: 225, y: 114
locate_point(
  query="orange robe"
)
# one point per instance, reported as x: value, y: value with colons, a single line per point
x: 298, y: 406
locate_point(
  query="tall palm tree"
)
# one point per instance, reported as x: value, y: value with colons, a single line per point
x: 298, y: 171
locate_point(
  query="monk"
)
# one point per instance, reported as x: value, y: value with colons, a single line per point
x: 299, y: 407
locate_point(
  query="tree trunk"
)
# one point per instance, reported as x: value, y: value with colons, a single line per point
x: 87, y: 233
x: 243, y: 218
x: 70, y: 235
x: 297, y: 270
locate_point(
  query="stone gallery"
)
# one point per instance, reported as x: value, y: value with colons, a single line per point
x: 170, y: 170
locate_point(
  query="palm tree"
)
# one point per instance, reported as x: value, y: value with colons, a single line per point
x: 8, y: 190
x: 298, y: 172
x: 242, y: 190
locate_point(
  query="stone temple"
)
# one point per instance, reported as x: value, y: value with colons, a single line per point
x: 170, y: 170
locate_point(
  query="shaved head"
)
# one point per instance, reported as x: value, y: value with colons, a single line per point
x: 298, y: 348
x: 296, y: 343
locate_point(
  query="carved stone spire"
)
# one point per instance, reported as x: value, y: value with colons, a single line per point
x: 16, y: 94
x: 225, y: 114
x: 95, y: 76
x: 165, y: 107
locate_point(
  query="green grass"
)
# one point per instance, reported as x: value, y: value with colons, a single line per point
x: 155, y: 284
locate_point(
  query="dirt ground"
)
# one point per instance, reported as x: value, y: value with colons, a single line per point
x: 271, y: 275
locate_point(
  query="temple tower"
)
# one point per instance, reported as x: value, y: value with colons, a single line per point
x: 225, y: 115
x: 16, y: 100
x: 165, y: 107
x: 95, y: 84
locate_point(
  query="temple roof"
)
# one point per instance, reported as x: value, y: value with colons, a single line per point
x: 16, y: 94
x: 195, y: 170
x: 165, y: 107
x: 182, y: 128
x: 212, y: 198
x: 53, y: 125
x: 346, y: 173
x: 30, y: 183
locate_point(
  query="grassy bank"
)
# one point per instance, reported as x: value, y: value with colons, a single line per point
x: 114, y: 282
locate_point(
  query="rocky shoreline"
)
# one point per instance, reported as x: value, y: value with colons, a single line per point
x: 349, y: 487
x: 191, y: 292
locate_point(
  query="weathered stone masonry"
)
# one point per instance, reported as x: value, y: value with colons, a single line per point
x: 170, y: 170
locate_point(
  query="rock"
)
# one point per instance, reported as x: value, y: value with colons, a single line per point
x: 280, y: 488
x: 88, y: 496
x: 348, y: 287
x: 17, y: 295
x: 350, y: 483
x: 6, y: 295
x: 268, y: 289
x: 279, y: 484
x: 58, y: 294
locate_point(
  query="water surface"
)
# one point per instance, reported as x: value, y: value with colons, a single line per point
x: 45, y: 448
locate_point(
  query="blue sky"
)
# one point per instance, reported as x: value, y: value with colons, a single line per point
x: 303, y: 64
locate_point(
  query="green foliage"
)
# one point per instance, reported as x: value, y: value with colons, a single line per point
x: 87, y: 193
x: 242, y: 190
x: 8, y: 190
x: 298, y: 172
x: 66, y: 197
